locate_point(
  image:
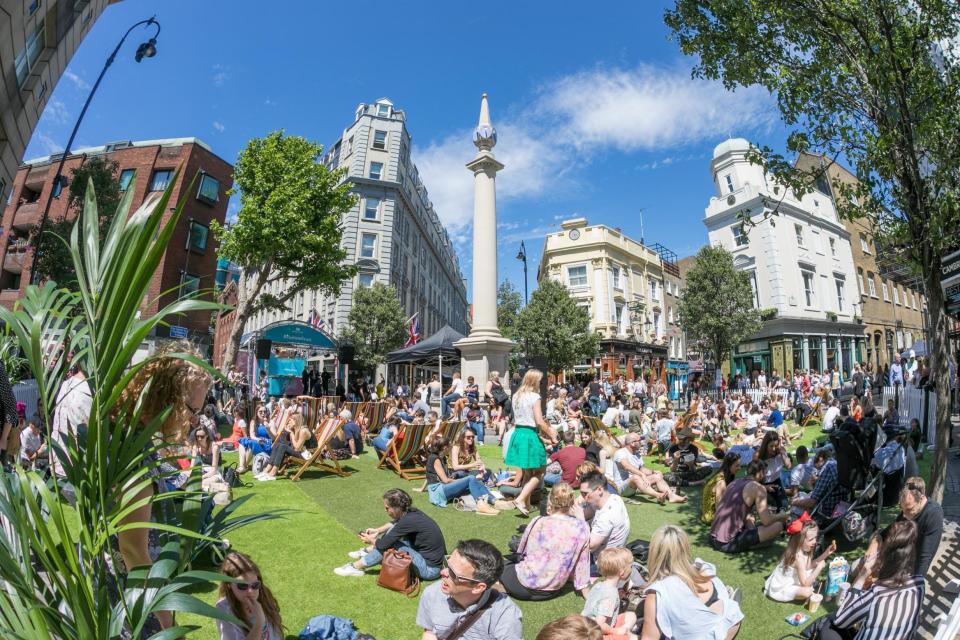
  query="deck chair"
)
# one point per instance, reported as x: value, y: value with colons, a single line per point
x: 376, y: 412
x: 313, y: 410
x: 818, y: 409
x: 596, y: 426
x: 328, y: 429
x: 401, y: 454
x: 451, y: 429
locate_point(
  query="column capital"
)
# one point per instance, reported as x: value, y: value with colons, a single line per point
x: 485, y: 162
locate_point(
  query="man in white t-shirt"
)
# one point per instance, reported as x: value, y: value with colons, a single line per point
x: 629, y: 474
x: 610, y: 525
x: 454, y: 393
x: 830, y: 417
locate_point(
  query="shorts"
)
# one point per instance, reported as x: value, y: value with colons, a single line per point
x: 747, y: 539
x: 663, y: 446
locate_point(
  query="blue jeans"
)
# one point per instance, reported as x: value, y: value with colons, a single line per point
x: 550, y: 479
x: 477, y: 428
x: 380, y: 443
x: 445, y: 402
x: 466, y: 485
x: 594, y: 405
x: 425, y: 571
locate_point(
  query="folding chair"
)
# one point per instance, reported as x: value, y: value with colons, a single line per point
x: 327, y: 430
x: 451, y: 429
x: 596, y: 426
x: 817, y: 410
x: 402, y: 451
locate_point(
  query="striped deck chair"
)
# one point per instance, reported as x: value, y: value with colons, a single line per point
x: 313, y: 411
x: 328, y: 428
x: 818, y: 408
x: 402, y: 456
x: 376, y: 411
x: 596, y: 426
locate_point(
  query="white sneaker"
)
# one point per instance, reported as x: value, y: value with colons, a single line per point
x: 356, y: 555
x: 305, y: 455
x: 348, y: 570
x: 266, y: 478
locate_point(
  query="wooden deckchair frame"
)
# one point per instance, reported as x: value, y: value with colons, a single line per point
x: 818, y: 410
x: 411, y: 442
x: 596, y: 425
x: 328, y: 428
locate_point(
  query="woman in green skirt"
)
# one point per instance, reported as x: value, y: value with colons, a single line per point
x: 530, y: 433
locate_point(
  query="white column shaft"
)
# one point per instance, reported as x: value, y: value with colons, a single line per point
x: 485, y: 254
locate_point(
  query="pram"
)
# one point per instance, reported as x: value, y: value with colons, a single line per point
x: 865, y: 489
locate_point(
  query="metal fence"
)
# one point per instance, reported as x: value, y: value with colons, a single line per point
x: 913, y: 403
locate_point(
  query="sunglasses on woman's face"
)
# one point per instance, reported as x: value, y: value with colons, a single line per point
x: 244, y: 586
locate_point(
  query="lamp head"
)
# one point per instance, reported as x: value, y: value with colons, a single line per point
x: 147, y: 49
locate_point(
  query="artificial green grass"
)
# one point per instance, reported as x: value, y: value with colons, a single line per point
x: 297, y: 554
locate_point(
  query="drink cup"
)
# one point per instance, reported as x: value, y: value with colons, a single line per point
x: 842, y: 593
x: 814, y: 602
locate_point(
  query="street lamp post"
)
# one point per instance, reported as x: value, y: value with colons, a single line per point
x: 522, y: 256
x: 146, y: 49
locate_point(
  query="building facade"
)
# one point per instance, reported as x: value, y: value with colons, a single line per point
x: 620, y: 283
x: 392, y: 234
x: 892, y: 306
x: 798, y: 256
x: 36, y: 44
x: 147, y: 167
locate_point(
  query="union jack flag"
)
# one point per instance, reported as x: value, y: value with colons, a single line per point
x: 314, y: 319
x: 413, y: 330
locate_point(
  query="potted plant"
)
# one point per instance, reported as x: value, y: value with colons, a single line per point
x: 858, y: 319
x: 768, y: 314
x: 831, y: 316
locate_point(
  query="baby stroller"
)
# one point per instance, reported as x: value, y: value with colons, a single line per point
x: 865, y: 489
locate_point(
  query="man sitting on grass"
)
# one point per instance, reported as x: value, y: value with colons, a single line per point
x: 466, y: 587
x: 630, y: 476
x: 734, y: 528
x: 685, y: 459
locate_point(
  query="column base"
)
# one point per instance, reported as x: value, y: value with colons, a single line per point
x: 479, y: 355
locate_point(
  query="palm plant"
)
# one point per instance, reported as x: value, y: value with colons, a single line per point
x: 55, y: 569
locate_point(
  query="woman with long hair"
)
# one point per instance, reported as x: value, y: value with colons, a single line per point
x: 294, y: 439
x: 530, y: 432
x: 685, y: 600
x: 890, y: 609
x: 798, y: 569
x: 715, y: 487
x: 774, y: 457
x: 464, y: 459
x: 205, y: 452
x: 249, y: 600
x: 443, y: 487
x: 260, y: 439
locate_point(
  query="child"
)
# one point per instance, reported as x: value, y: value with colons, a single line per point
x: 794, y: 577
x: 801, y: 473
x: 31, y: 444
x: 603, y: 601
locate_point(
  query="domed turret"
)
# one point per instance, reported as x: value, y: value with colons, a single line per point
x: 731, y: 145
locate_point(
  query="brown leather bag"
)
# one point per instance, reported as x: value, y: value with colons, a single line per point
x: 397, y: 574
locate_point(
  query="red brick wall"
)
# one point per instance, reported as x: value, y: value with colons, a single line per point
x: 191, y: 158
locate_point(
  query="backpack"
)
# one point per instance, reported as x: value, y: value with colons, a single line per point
x: 231, y: 478
x: 260, y: 462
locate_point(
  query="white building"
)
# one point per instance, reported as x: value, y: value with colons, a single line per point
x: 800, y: 265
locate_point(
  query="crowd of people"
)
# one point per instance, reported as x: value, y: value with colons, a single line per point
x: 576, y: 479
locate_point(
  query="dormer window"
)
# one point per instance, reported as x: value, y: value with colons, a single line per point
x: 729, y: 180
x: 383, y: 110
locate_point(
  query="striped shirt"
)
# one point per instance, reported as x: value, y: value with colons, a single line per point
x: 883, y: 613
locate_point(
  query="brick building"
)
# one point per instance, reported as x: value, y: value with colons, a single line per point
x: 147, y: 167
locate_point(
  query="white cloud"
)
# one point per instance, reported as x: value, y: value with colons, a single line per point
x: 649, y: 108
x: 49, y: 145
x: 79, y: 82
x: 270, y: 103
x: 56, y: 111
x: 218, y: 126
x: 221, y: 73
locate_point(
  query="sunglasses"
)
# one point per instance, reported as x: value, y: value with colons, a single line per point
x: 453, y: 574
x: 244, y: 586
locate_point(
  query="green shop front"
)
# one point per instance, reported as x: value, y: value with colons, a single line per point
x: 786, y: 344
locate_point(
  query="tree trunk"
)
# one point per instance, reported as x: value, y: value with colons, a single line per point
x: 244, y: 306
x: 940, y: 373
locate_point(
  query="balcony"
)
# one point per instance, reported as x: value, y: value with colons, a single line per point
x: 27, y: 216
x: 16, y: 256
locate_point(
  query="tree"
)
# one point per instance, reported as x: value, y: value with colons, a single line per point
x: 509, y: 302
x: 716, y: 306
x: 874, y: 83
x: 287, y: 230
x: 52, y: 256
x: 376, y: 324
x: 552, y: 325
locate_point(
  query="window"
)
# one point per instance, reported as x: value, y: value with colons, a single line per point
x: 616, y: 278
x: 756, y: 291
x: 577, y: 276
x: 368, y: 245
x: 617, y: 315
x: 808, y: 287
x: 864, y: 245
x: 371, y: 211
x: 42, y: 92
x: 198, y: 237
x: 871, y: 284
x: 670, y: 315
x: 379, y: 139
x: 32, y: 9
x: 833, y: 247
x: 896, y: 294
x: 161, y: 178
x: 376, y: 168
x: 860, y: 284
x: 383, y: 110
x: 189, y: 284
x: 28, y: 57
x: 126, y: 178
x: 365, y: 279
x: 886, y: 292
x: 839, y: 284
x: 656, y: 323
x: 209, y: 190
x: 739, y: 237
x: 654, y: 293
x: 798, y: 230
x: 913, y: 300
x: 823, y: 186
x: 729, y: 180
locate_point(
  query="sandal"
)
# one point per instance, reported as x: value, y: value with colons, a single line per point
x: 522, y: 509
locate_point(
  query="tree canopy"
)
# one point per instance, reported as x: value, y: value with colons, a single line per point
x: 716, y: 304
x: 287, y: 230
x: 509, y: 302
x: 552, y: 325
x: 871, y: 84
x: 376, y: 324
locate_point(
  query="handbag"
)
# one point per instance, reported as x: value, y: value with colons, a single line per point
x: 397, y: 574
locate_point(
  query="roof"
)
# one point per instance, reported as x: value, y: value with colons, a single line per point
x: 730, y: 146
x: 123, y: 144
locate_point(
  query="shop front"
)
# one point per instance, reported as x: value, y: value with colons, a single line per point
x: 677, y: 373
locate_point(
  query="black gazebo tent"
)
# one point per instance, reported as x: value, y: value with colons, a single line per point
x: 433, y: 350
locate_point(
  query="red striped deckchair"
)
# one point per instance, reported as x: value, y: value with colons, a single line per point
x: 401, y: 454
x: 328, y: 428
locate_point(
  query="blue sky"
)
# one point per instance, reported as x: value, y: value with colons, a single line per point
x: 596, y: 112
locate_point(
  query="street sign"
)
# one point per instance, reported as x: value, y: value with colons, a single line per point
x: 950, y: 282
x: 178, y: 332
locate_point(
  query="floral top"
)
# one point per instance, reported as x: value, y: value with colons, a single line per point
x: 555, y: 549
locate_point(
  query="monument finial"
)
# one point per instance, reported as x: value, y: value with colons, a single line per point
x: 485, y: 137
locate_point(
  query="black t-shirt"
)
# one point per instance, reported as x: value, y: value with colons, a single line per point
x: 593, y: 453
x: 432, y: 477
x: 595, y: 389
x: 421, y: 532
x: 929, y: 531
x: 687, y: 463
